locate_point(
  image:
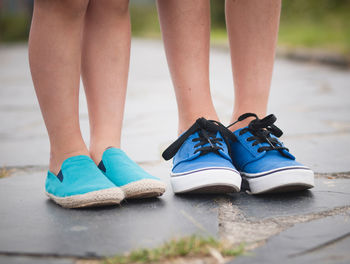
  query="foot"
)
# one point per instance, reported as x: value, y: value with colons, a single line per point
x: 265, y: 164
x: 201, y: 161
x: 58, y: 156
x: 80, y: 183
x: 130, y: 177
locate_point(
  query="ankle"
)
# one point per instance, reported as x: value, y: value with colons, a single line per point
x: 186, y: 123
x: 96, y: 150
x: 245, y: 122
x: 58, y: 157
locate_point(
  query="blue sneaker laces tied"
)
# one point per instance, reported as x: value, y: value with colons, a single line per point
x: 262, y: 129
x: 207, y: 130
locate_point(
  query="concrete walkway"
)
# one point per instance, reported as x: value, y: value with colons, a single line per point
x: 311, y: 103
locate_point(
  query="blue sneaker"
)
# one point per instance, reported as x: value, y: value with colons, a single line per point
x: 81, y: 184
x: 130, y: 177
x: 201, y: 162
x: 264, y: 162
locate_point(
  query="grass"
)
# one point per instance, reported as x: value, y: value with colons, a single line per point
x: 329, y: 33
x: 4, y: 172
x: 332, y: 33
x: 14, y: 27
x: 144, y: 21
x: 315, y: 24
x: 192, y: 246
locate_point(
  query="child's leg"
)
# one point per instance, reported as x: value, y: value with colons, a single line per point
x: 252, y: 27
x: 186, y: 29
x: 105, y: 66
x: 55, y: 55
x: 267, y: 166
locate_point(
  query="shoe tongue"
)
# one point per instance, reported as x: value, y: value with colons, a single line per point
x: 236, y: 132
x: 223, y: 152
x: 265, y: 144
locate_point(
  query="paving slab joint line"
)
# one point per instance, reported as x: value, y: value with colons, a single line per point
x: 336, y: 175
x: 322, y: 246
x: 43, y: 255
x: 236, y: 228
x: 37, y: 168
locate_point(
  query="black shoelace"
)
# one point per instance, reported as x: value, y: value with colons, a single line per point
x: 262, y: 129
x: 207, y: 131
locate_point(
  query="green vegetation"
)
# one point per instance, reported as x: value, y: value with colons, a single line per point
x: 321, y: 24
x: 14, y: 27
x: 144, y: 21
x: 185, y: 247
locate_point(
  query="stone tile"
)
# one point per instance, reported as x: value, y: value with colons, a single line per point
x: 328, y: 194
x: 323, y: 153
x: 310, y: 102
x: 325, y: 240
x: 32, y: 224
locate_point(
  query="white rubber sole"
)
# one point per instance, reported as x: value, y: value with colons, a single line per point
x: 146, y: 188
x: 98, y: 198
x: 281, y: 180
x: 209, y: 180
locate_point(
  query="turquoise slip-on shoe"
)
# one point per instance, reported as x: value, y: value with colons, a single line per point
x: 130, y: 177
x: 81, y: 184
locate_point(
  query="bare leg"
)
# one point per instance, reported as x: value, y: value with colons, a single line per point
x: 105, y: 66
x: 186, y: 31
x: 54, y: 55
x: 252, y: 28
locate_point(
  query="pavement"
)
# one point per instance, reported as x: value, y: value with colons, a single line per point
x: 312, y: 105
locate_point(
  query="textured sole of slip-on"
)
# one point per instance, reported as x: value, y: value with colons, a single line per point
x: 111, y: 196
x: 146, y: 188
x: 281, y: 181
x: 210, y: 180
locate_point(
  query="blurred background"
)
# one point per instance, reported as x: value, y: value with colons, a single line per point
x: 312, y: 24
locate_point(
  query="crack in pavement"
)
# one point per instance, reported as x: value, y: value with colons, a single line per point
x: 15, y: 170
x: 236, y: 228
x: 331, y: 176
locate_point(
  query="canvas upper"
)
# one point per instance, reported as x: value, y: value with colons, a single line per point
x: 120, y: 169
x: 200, y: 147
x: 78, y: 175
x: 257, y: 148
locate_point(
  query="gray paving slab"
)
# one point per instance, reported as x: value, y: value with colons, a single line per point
x: 327, y: 194
x: 32, y: 224
x: 34, y: 260
x: 310, y: 101
x: 325, y: 240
